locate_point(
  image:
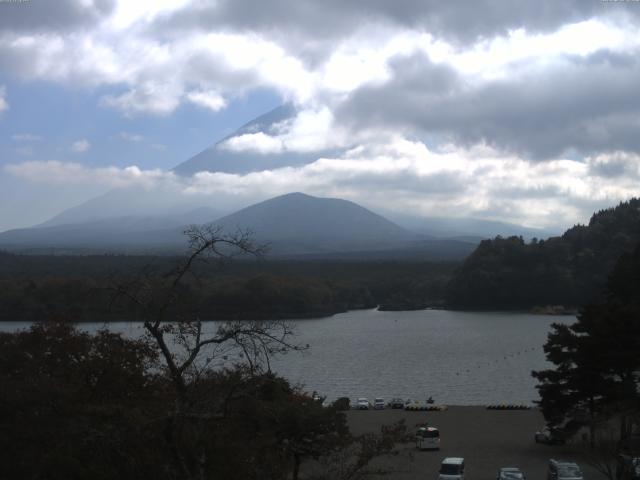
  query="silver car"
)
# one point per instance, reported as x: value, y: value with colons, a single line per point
x: 559, y: 470
x: 510, y: 473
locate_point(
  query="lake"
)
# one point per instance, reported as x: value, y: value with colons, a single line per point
x: 459, y: 358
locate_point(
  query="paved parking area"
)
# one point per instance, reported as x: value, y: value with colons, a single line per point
x: 487, y: 439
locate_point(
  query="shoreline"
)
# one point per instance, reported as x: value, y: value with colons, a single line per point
x: 102, y: 318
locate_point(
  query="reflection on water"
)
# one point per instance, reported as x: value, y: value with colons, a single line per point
x: 462, y: 358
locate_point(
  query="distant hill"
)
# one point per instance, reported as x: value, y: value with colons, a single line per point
x: 299, y: 223
x: 475, y: 229
x: 293, y: 226
x: 570, y: 270
x: 150, y: 232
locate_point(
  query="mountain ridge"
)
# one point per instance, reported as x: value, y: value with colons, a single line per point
x: 293, y: 224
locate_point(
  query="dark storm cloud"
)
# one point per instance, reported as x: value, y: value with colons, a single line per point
x: 588, y: 105
x: 455, y: 20
x: 52, y: 15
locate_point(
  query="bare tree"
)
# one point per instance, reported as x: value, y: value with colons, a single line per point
x: 367, y: 454
x: 190, y: 347
x: 601, y: 451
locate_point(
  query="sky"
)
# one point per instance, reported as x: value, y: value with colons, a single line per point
x: 512, y: 110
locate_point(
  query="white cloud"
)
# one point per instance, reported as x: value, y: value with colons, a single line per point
x: 161, y: 147
x: 70, y: 173
x: 150, y: 97
x: 311, y: 130
x: 207, y: 99
x: 131, y: 137
x: 155, y: 73
x: 80, y: 146
x: 4, y: 105
x: 257, y: 142
x: 26, y: 137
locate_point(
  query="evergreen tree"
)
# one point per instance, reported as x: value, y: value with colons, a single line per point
x: 597, y: 359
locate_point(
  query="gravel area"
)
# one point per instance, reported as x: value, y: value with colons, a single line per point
x: 487, y: 439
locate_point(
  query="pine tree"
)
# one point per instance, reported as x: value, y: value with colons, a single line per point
x: 597, y: 359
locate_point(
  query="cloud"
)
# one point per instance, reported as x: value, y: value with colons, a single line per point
x: 615, y: 165
x: 585, y: 104
x: 80, y: 146
x: 149, y: 97
x: 4, y: 105
x: 256, y: 142
x: 397, y: 175
x: 307, y: 130
x: 324, y: 21
x: 70, y: 173
x: 61, y: 15
x: 26, y: 137
x: 130, y: 137
x: 207, y: 99
x: 504, y: 110
x: 159, y: 146
x: 174, y: 52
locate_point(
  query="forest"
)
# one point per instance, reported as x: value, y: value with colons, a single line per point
x: 80, y: 288
x: 570, y: 270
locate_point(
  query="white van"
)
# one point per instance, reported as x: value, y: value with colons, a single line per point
x: 452, y: 468
x: 428, y: 438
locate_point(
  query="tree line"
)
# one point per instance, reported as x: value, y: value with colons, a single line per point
x: 36, y: 287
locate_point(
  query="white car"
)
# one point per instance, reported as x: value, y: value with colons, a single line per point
x: 362, y: 404
x: 549, y: 436
x: 428, y: 438
x: 452, y: 468
x: 378, y: 404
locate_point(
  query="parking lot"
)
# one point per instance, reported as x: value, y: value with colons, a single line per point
x: 487, y: 439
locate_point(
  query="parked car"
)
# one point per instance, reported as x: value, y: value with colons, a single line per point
x: 342, y: 403
x: 510, y: 473
x: 452, y: 468
x: 628, y: 467
x: 428, y: 438
x: 363, y: 404
x: 549, y: 436
x: 378, y: 404
x: 635, y: 464
x: 396, y: 403
x: 560, y: 470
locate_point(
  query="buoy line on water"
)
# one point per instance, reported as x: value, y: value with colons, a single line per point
x: 426, y: 408
x: 508, y: 406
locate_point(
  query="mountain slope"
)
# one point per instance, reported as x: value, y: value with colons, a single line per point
x: 217, y: 158
x: 299, y: 223
x: 140, y: 232
x: 467, y: 227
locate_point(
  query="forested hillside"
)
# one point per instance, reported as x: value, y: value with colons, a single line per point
x: 571, y: 270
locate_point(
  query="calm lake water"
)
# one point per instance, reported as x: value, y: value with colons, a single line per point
x: 459, y: 358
